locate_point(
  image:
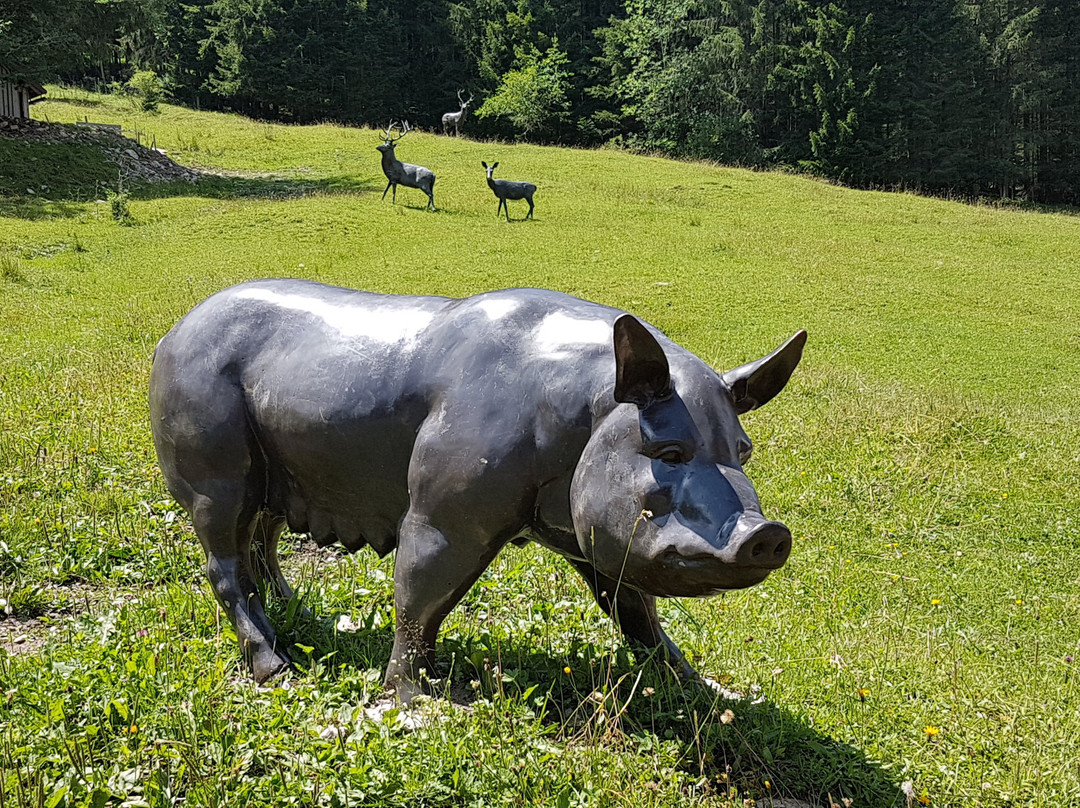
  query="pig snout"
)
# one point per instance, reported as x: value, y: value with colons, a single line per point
x: 754, y: 541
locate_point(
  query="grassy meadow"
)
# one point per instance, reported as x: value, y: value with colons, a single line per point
x: 918, y: 648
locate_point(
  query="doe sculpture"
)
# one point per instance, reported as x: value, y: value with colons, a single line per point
x: 508, y: 189
x: 456, y: 119
x: 445, y: 429
x: 399, y: 173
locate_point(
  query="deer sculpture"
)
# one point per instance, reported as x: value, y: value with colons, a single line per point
x: 455, y: 119
x: 399, y: 173
x: 507, y: 189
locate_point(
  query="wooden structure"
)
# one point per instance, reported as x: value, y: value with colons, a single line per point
x: 16, y: 98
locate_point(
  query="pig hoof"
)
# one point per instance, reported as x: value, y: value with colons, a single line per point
x: 268, y: 665
x: 405, y: 690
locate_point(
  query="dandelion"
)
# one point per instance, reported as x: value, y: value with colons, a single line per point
x: 727, y: 717
x: 133, y: 729
x: 931, y: 730
x: 566, y: 670
x: 924, y: 799
x: 1019, y: 601
x: 935, y: 601
x: 768, y: 784
x: 863, y: 693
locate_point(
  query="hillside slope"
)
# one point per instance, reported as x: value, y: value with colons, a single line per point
x: 924, y: 455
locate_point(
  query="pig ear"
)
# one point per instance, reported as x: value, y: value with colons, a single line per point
x: 755, y: 383
x: 641, y: 369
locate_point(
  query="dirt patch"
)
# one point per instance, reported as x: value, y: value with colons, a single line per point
x: 134, y: 160
x: 19, y: 636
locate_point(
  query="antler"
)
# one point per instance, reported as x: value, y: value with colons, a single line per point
x: 404, y: 127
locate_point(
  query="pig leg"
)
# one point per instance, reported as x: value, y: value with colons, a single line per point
x: 226, y: 533
x: 431, y: 574
x: 635, y: 614
x: 264, y: 557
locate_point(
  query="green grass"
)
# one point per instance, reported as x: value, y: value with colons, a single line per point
x: 925, y: 456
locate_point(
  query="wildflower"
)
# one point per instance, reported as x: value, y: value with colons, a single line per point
x: 727, y: 717
x: 649, y: 691
x: 931, y: 730
x: 1068, y: 659
x: 133, y: 729
x: 1019, y: 601
x: 863, y: 693
x: 935, y: 601
x: 768, y: 784
x: 924, y: 799
x: 566, y: 670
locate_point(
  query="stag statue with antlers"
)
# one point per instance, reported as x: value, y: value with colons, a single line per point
x: 399, y: 173
x: 455, y: 119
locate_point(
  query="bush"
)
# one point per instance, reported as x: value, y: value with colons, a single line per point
x: 533, y: 95
x: 147, y: 87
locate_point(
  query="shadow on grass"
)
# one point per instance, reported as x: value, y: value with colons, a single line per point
x: 763, y: 750
x: 219, y: 186
x: 69, y: 202
x: 32, y: 208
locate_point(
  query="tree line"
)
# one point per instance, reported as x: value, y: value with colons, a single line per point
x: 968, y: 97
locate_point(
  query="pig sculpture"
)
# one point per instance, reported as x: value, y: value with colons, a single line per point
x: 447, y: 428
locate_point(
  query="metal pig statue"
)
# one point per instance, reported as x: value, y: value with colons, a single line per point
x: 447, y: 428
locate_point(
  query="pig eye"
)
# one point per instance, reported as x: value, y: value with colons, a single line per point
x: 672, y: 453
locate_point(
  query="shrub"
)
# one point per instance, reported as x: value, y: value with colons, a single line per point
x: 147, y: 87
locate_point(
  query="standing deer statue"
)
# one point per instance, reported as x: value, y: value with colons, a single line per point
x: 455, y: 119
x: 399, y: 173
x: 507, y: 189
